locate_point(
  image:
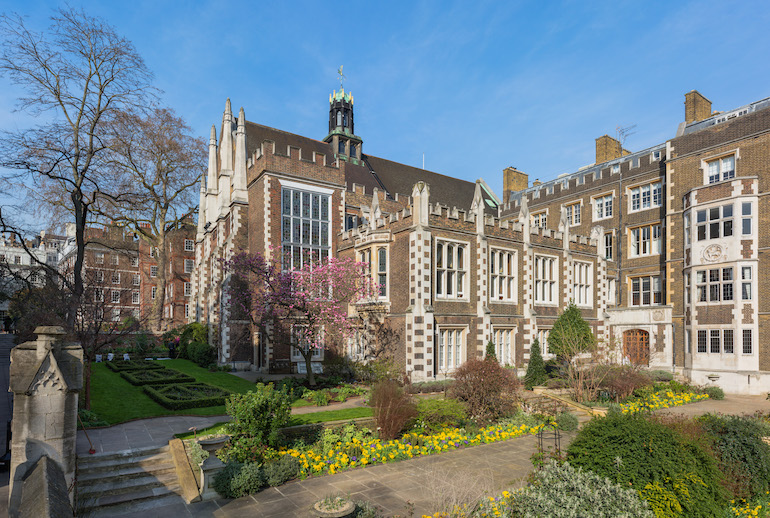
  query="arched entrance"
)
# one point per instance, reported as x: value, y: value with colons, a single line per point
x: 636, y: 346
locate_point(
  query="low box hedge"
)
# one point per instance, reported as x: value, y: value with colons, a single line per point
x: 160, y: 376
x: 178, y: 396
x: 133, y: 365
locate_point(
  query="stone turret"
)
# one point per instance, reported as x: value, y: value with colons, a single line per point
x: 211, y: 193
x: 239, y: 175
x: 345, y: 144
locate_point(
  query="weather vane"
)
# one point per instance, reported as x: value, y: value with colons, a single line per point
x: 342, y: 76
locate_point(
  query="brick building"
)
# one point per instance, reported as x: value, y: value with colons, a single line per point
x: 660, y: 248
x: 119, y: 273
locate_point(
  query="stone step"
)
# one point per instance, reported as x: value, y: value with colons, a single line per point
x: 122, y: 456
x: 118, y: 485
x: 125, y: 471
x: 129, y: 502
x: 109, y: 465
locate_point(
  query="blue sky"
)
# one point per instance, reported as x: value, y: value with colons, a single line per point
x: 475, y: 86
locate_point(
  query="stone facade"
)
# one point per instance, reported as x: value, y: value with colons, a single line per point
x: 458, y: 266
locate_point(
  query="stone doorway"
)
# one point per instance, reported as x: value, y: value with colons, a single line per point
x: 636, y: 346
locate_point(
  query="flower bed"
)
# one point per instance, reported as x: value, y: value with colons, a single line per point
x: 178, y: 396
x: 661, y: 399
x: 361, y: 453
x: 160, y: 376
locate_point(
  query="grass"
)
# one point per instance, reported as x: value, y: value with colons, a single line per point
x: 116, y: 401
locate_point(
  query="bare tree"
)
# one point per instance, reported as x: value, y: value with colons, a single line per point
x: 159, y: 163
x: 79, y: 74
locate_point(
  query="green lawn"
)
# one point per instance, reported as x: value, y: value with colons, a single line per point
x: 116, y: 401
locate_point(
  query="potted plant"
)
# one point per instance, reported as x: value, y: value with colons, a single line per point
x: 334, y: 507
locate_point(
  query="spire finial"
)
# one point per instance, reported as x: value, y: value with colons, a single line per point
x: 342, y: 77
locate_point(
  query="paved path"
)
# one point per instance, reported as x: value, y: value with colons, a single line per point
x: 158, y: 431
x: 731, y: 404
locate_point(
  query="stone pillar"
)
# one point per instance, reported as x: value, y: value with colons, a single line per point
x: 45, y: 378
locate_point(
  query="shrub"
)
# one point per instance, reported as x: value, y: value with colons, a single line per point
x: 133, y: 365
x: 393, y: 408
x: 434, y: 414
x: 490, y: 353
x: 743, y: 456
x: 279, y: 471
x: 675, y: 475
x: 714, y: 392
x: 321, y: 397
x: 178, y: 396
x: 618, y: 383
x: 566, y: 422
x: 570, y: 335
x: 659, y: 375
x: 160, y: 376
x: 565, y: 491
x: 259, y: 414
x: 250, y: 479
x: 197, y: 454
x: 488, y: 390
x: 536, y: 374
x: 201, y: 353
x: 366, y: 509
x: 222, y: 482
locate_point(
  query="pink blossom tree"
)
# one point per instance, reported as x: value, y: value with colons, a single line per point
x: 312, y: 301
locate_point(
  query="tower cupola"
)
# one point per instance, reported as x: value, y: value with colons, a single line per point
x: 345, y: 144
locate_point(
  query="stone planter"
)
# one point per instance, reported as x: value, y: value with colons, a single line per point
x: 212, y: 465
x: 343, y: 510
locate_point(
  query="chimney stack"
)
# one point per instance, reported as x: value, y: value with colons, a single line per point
x: 608, y: 148
x: 696, y: 107
x: 513, y: 180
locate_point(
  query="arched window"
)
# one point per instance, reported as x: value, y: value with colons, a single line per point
x: 636, y: 346
x: 353, y: 151
x: 342, y: 147
x: 345, y: 118
x: 339, y: 117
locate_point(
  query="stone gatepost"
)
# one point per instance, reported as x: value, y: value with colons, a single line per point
x: 45, y: 378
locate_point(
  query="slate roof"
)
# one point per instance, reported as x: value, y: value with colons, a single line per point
x: 375, y: 172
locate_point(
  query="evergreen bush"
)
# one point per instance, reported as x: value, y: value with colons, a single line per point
x: 201, y: 353
x: 675, y: 475
x: 714, y: 392
x: 565, y: 491
x: 536, y: 374
x: 259, y: 414
x: 281, y: 470
x: 743, y: 456
x: 434, y: 414
x: 249, y: 479
x: 222, y: 482
x: 570, y: 335
x: 566, y: 422
x: 490, y: 354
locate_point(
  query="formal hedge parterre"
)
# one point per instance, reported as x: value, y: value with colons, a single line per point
x: 133, y: 365
x: 160, y: 376
x: 178, y: 396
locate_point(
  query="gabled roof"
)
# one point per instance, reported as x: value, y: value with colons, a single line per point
x: 400, y: 178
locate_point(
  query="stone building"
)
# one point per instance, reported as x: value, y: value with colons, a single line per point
x: 661, y: 248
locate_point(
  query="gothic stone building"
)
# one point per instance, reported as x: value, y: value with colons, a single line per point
x: 661, y: 249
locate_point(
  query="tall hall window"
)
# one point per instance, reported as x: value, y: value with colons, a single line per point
x: 503, y: 338
x: 545, y: 279
x: 450, y: 269
x: 305, y: 228
x: 502, y: 285
x: 608, y: 246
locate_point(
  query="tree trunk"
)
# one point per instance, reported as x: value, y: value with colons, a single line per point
x: 87, y: 383
x: 81, y: 213
x: 308, y: 357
